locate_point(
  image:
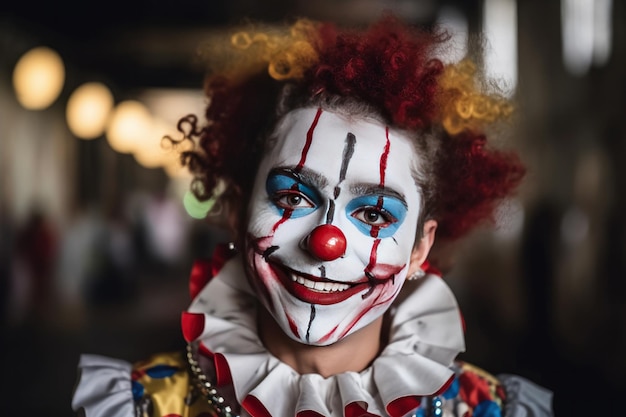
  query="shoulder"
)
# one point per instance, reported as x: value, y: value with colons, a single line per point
x: 104, y: 387
x: 475, y: 392
x: 158, y: 386
x: 525, y: 398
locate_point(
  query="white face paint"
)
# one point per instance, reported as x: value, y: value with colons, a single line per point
x: 356, y: 175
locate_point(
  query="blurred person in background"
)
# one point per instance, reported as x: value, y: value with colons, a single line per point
x: 345, y: 154
x: 36, y: 246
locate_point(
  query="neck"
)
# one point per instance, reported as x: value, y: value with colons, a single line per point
x: 353, y: 353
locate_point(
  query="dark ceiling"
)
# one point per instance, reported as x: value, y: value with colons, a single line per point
x: 133, y: 44
x: 129, y: 44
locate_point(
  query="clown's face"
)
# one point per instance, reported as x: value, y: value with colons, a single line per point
x: 332, y: 223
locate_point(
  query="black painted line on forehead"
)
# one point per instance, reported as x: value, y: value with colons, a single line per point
x: 348, y: 151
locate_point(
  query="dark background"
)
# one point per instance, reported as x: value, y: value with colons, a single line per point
x: 543, y: 297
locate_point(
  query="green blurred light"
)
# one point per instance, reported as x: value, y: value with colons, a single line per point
x: 195, y: 208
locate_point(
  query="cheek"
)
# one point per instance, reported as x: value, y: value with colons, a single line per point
x: 267, y: 222
x: 261, y: 220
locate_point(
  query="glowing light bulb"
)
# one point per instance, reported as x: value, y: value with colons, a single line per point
x: 38, y: 78
x: 88, y: 110
x: 129, y: 126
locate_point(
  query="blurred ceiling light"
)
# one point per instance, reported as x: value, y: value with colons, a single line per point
x: 88, y: 110
x: 500, y: 30
x: 174, y: 169
x: 153, y: 152
x: 455, y: 23
x: 38, y: 78
x: 587, y: 28
x: 170, y: 105
x: 130, y: 124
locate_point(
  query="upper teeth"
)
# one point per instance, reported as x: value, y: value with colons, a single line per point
x: 320, y: 286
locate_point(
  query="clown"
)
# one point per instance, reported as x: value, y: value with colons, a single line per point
x: 332, y: 223
x: 344, y: 154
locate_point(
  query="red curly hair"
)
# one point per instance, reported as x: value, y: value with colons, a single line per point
x: 391, y: 67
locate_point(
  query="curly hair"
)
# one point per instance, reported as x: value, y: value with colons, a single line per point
x: 259, y: 73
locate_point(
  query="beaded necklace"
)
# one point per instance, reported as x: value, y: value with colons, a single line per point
x: 205, y: 386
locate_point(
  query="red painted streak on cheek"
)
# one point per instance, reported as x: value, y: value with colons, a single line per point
x: 292, y: 326
x: 372, y: 301
x: 309, y: 140
x: 367, y: 309
x: 328, y: 335
x: 373, y: 253
x: 286, y: 216
x: 260, y: 274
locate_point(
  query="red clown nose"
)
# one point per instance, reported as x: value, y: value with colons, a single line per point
x: 326, y: 242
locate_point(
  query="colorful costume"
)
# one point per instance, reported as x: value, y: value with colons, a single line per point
x: 414, y: 375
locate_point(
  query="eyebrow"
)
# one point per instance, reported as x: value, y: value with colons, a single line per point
x: 303, y: 175
x: 316, y: 180
x: 376, y: 189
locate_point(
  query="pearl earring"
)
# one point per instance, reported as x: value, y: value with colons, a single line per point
x: 416, y: 275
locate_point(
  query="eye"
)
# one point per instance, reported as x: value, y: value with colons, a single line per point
x: 291, y: 200
x: 374, y: 216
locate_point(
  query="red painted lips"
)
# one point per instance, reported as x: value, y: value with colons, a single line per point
x: 312, y: 296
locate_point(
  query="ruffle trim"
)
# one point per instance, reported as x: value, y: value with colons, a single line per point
x: 426, y: 336
x: 104, y: 387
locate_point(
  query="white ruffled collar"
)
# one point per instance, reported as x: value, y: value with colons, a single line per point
x: 426, y: 335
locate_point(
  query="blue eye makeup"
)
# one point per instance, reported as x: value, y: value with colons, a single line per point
x: 287, y: 193
x: 383, y: 213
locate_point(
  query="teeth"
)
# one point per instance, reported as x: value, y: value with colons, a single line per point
x: 320, y: 286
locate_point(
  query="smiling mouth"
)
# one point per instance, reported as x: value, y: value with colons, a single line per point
x: 323, y: 291
x: 320, y: 286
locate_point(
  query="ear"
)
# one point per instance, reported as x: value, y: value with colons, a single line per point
x: 422, y: 248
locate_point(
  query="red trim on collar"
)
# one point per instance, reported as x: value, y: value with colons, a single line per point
x: 222, y: 371
x: 354, y: 409
x: 308, y: 413
x: 254, y: 407
x: 403, y: 405
x: 192, y: 325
